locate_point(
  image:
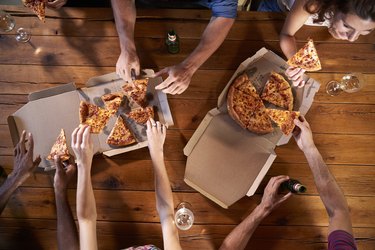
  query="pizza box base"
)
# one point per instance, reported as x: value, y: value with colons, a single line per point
x: 226, y: 162
x: 52, y: 109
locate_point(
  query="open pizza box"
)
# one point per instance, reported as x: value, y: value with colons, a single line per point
x: 226, y: 162
x: 52, y: 109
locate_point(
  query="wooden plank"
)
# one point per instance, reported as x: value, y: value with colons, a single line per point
x: 298, y: 210
x: 61, y: 51
x: 124, y: 174
x: 205, y: 84
x: 335, y: 148
x: 117, y: 235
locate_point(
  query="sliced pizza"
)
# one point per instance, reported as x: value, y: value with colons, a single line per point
x: 278, y: 92
x: 137, y: 91
x: 283, y: 118
x: 120, y: 134
x: 93, y: 116
x: 306, y: 58
x: 60, y: 148
x: 246, y: 108
x: 38, y: 6
x: 112, y: 101
x: 141, y: 115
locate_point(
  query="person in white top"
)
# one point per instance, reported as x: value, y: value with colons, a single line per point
x: 345, y: 19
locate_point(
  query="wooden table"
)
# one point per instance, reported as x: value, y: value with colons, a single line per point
x: 76, y: 44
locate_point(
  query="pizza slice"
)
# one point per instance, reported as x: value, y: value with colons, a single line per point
x: 137, y: 91
x: 120, y: 134
x: 93, y: 116
x: 112, y: 101
x: 243, y: 83
x: 259, y: 122
x: 59, y: 148
x: 38, y: 7
x: 278, y: 92
x: 141, y: 115
x: 283, y: 118
x: 306, y: 58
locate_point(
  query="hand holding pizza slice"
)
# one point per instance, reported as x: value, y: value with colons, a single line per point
x: 306, y: 59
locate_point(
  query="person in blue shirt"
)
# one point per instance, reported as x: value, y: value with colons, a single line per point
x: 179, y: 76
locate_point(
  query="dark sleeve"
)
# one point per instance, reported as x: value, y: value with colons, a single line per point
x: 341, y: 240
x: 223, y: 8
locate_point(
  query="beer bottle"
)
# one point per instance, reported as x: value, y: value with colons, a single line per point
x: 172, y: 42
x: 293, y: 186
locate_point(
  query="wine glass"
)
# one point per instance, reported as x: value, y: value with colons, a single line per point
x: 22, y: 35
x: 7, y: 22
x: 349, y: 83
x: 184, y: 217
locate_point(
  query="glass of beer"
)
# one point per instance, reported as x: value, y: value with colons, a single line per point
x: 7, y: 22
x: 349, y: 83
x: 184, y: 217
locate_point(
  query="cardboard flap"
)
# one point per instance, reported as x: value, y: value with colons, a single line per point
x: 93, y: 81
x: 230, y: 156
x: 52, y: 91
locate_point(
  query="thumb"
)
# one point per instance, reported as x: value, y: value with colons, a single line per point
x: 297, y: 122
x: 58, y: 163
x: 164, y: 84
x: 37, y: 161
x: 163, y: 71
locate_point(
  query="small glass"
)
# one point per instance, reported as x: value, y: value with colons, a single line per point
x: 7, y: 22
x: 184, y: 217
x: 349, y: 83
x: 22, y: 35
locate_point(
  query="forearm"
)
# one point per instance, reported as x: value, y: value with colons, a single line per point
x: 124, y: 13
x: 7, y: 189
x: 240, y: 235
x: 67, y: 235
x: 213, y: 36
x: 86, y: 207
x: 163, y: 192
x: 329, y: 191
x: 288, y: 45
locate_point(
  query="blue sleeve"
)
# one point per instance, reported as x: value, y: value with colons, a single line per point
x: 222, y: 8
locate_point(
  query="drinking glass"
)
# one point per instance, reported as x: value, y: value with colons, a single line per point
x: 7, y: 22
x: 22, y: 35
x: 184, y: 217
x: 349, y: 83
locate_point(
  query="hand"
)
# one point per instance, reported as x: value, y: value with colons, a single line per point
x: 303, y: 134
x: 271, y: 199
x: 127, y: 61
x: 296, y: 75
x: 56, y: 4
x: 23, y: 161
x: 178, y: 80
x: 82, y: 145
x: 156, y: 133
x: 63, y: 176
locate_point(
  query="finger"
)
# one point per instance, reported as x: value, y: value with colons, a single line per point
x: 71, y: 169
x: 22, y: 142
x: 58, y: 164
x: 133, y: 74
x: 37, y: 161
x: 165, y: 83
x: 297, y: 122
x: 148, y: 124
x: 172, y: 89
x: 180, y: 91
x: 158, y: 126
x: 30, y: 146
x: 80, y: 134
x: 74, y: 136
x: 161, y: 72
x: 286, y: 196
x: 86, y: 136
x: 301, y: 84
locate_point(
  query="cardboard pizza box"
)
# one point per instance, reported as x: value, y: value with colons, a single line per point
x: 52, y: 109
x: 226, y: 162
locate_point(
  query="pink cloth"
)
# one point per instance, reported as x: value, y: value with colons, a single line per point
x: 341, y: 240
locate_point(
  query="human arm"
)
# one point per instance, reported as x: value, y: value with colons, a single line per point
x: 124, y: 13
x: 56, y: 4
x: 293, y: 22
x: 86, y: 208
x: 179, y: 76
x: 23, y: 168
x: 67, y: 235
x: 164, y: 201
x: 328, y: 189
x: 240, y: 235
